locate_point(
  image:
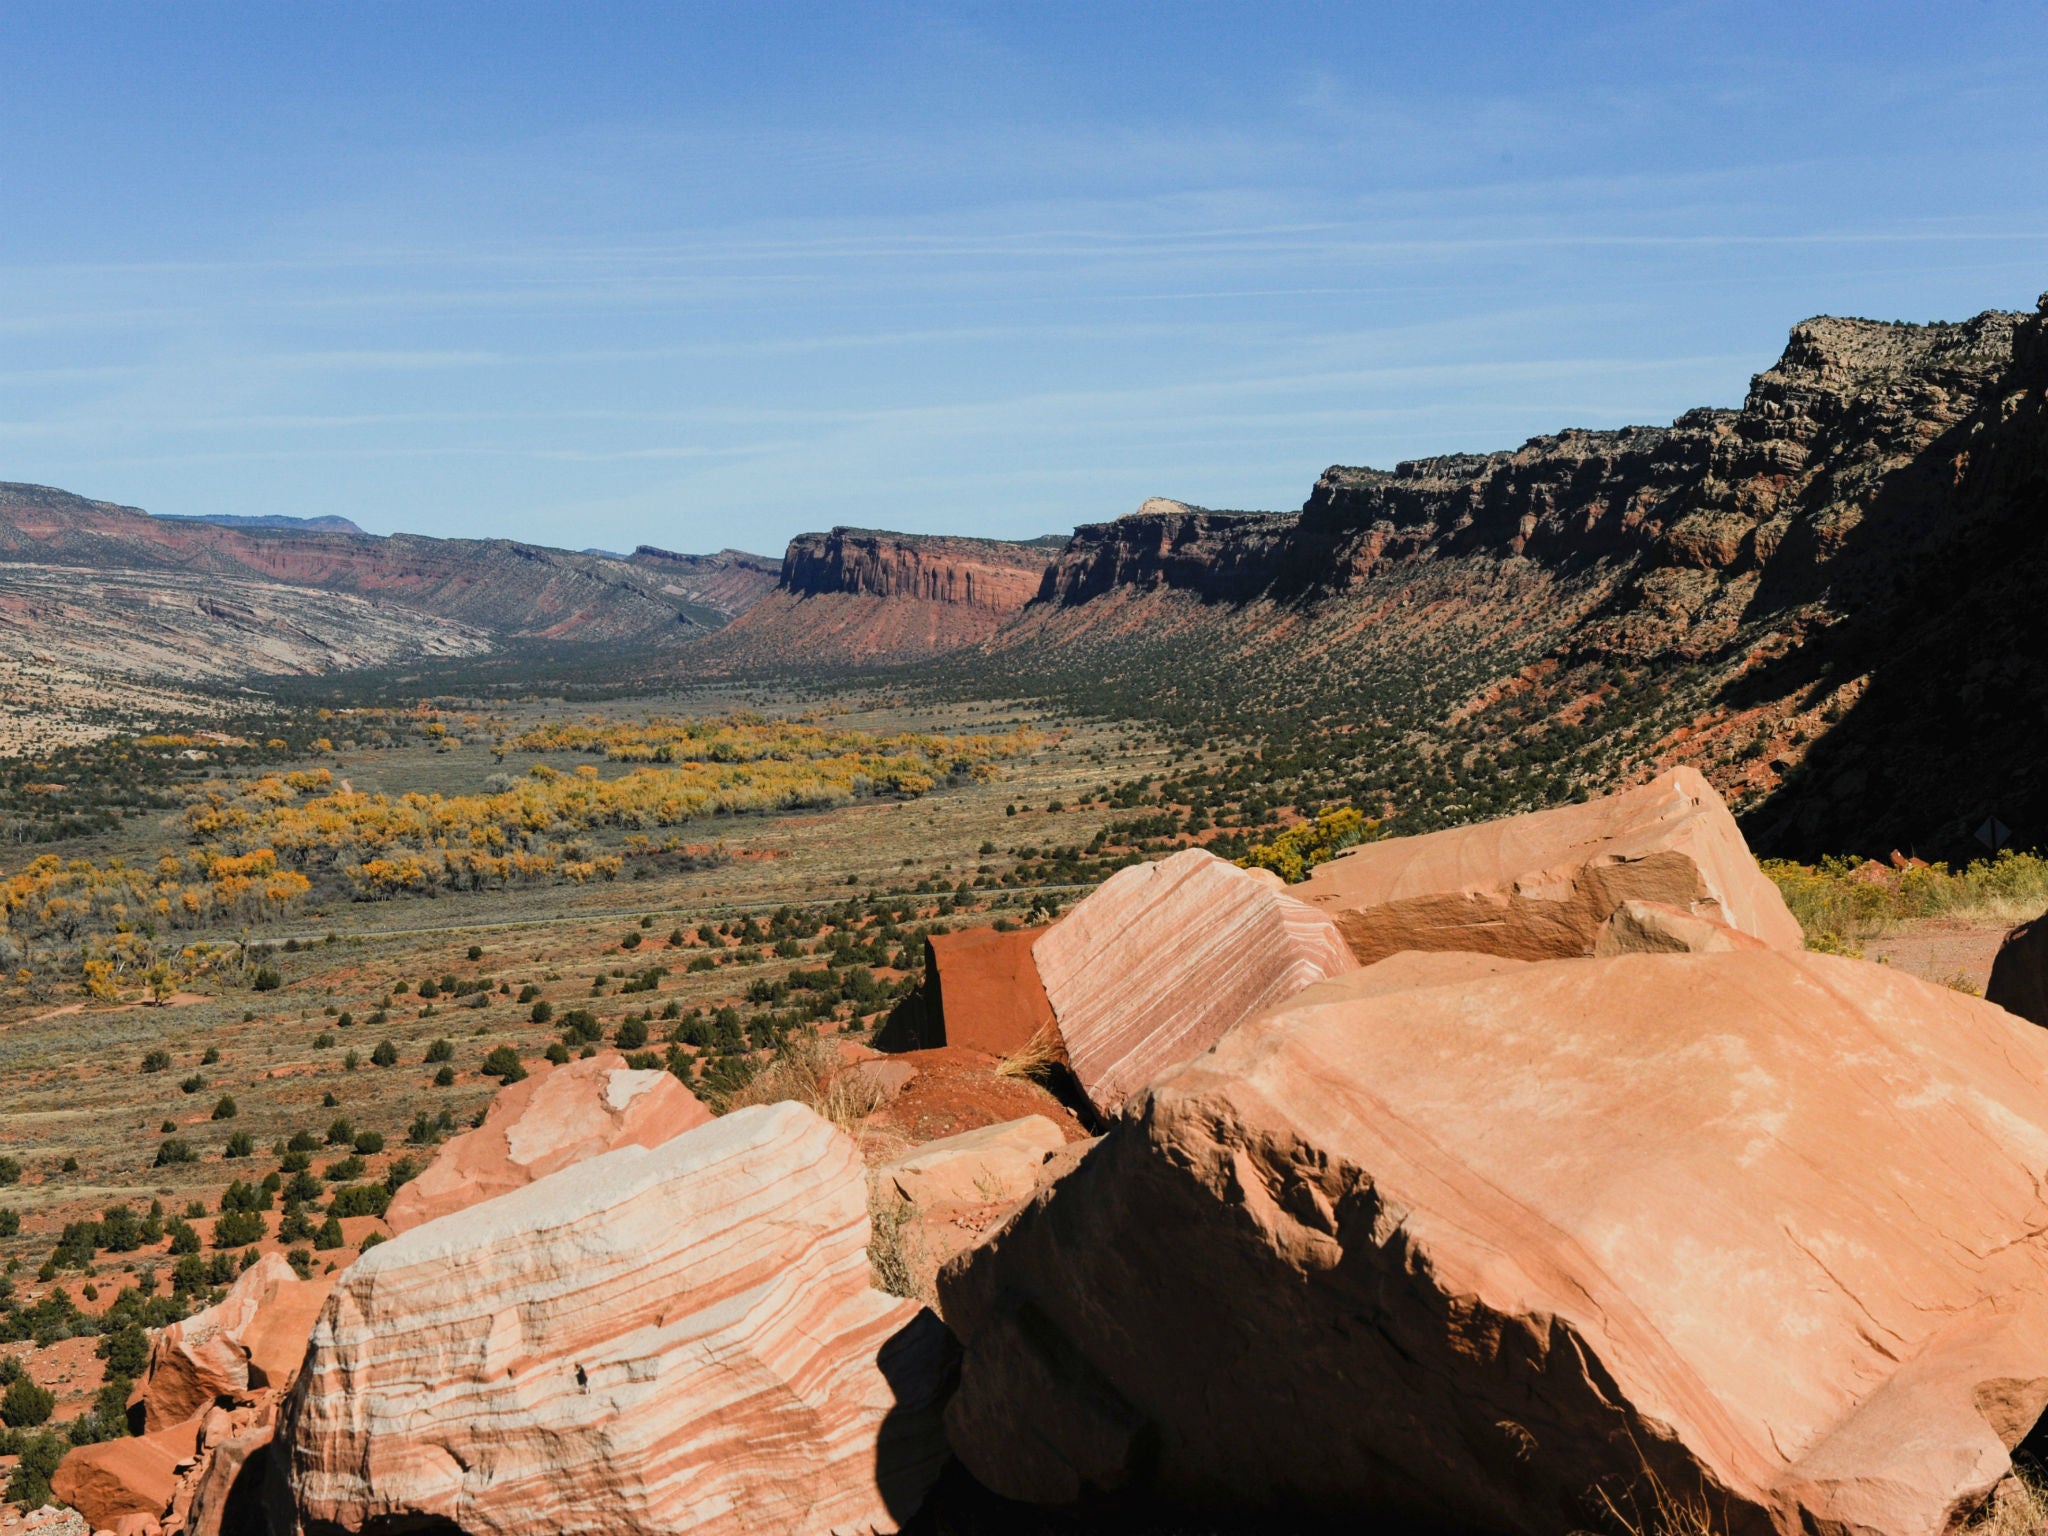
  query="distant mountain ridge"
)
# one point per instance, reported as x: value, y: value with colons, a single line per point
x: 425, y: 595
x: 267, y: 520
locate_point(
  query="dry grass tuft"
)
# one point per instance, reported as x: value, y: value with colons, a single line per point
x: 1651, y: 1508
x: 808, y: 1071
x: 1036, y: 1060
x: 895, y: 1246
x: 2018, y: 1506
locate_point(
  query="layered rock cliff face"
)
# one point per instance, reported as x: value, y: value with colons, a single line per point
x: 1169, y: 544
x: 969, y: 573
x: 1848, y: 413
x: 855, y: 597
x: 1814, y: 579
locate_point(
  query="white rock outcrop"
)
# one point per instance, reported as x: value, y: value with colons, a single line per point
x: 675, y: 1339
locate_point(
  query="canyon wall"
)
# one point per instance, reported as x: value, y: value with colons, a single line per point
x: 856, y: 597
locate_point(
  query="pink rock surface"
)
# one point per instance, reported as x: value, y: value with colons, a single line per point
x: 253, y: 1337
x: 132, y: 1476
x: 1543, y: 886
x: 223, y: 1488
x: 1409, y: 969
x: 674, y: 1339
x: 535, y: 1127
x: 1767, y: 1227
x: 1652, y: 928
x: 1154, y: 966
x: 992, y: 1165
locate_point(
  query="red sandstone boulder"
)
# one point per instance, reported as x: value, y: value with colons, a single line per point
x: 983, y: 987
x: 132, y: 1476
x: 535, y: 1127
x: 1767, y: 1230
x: 1408, y: 969
x: 253, y: 1337
x: 222, y: 1493
x: 1652, y: 928
x: 1546, y: 886
x: 989, y: 1166
x: 675, y: 1339
x: 1163, y: 958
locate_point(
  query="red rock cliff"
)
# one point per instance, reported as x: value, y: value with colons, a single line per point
x: 973, y: 573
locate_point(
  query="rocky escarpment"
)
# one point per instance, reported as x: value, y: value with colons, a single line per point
x: 1780, y: 483
x: 990, y: 574
x: 1811, y: 581
x: 1170, y: 544
x: 854, y: 597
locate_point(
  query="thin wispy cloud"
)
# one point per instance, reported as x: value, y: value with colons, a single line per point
x: 994, y: 275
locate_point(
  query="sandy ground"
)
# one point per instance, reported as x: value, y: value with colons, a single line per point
x: 1953, y: 953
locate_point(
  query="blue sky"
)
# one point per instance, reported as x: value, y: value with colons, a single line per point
x: 596, y: 274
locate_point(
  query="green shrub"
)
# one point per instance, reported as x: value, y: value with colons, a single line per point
x: 126, y: 1351
x: 10, y: 1222
x: 304, y: 1186
x: 29, y: 1485
x: 192, y: 1084
x: 25, y: 1405
x: 359, y: 1200
x: 266, y: 979
x: 241, y: 1144
x: 158, y: 1060
x: 445, y: 1078
x: 558, y: 1053
x: 369, y: 1143
x: 120, y: 1230
x: 225, y: 1107
x: 294, y: 1226
x: 10, y: 1171
x: 238, y: 1229
x: 184, y: 1238
x: 174, y: 1149
x: 385, y: 1055
x: 631, y: 1035
x: 440, y: 1050
x: 503, y: 1063
x: 330, y: 1235
x: 243, y: 1196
